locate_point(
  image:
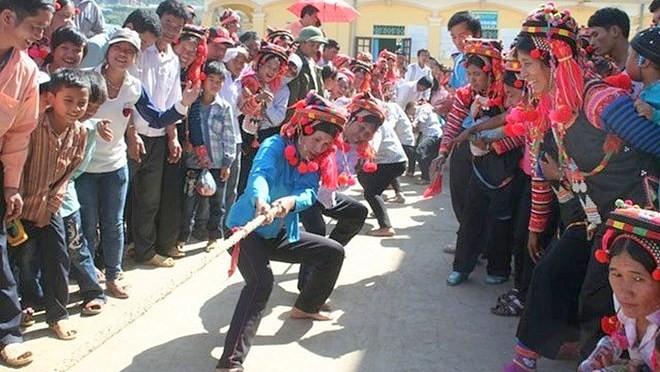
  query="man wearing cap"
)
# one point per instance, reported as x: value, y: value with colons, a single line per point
x: 218, y: 42
x: 309, y: 44
x: 309, y: 16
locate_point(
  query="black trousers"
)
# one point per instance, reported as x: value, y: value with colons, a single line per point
x: 46, y: 246
x: 412, y: 158
x: 375, y: 183
x: 482, y: 213
x: 325, y: 255
x: 460, y: 172
x: 350, y: 215
x: 147, y: 182
x: 10, y: 307
x: 170, y: 209
x: 551, y: 308
x: 427, y: 150
x: 595, y: 301
x: 522, y: 262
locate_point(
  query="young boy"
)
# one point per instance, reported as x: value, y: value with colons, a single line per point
x: 21, y: 23
x: 55, y: 150
x: 643, y: 65
x: 461, y: 25
x: 212, y: 136
x: 82, y: 262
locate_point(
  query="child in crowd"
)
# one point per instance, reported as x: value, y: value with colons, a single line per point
x: 643, y: 65
x: 82, y: 262
x: 212, y: 137
x: 68, y: 49
x: 429, y: 127
x: 55, y: 150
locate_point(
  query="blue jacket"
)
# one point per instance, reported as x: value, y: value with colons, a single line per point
x: 271, y: 178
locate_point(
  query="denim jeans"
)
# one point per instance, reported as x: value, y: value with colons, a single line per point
x: 82, y: 262
x: 191, y: 202
x: 10, y: 314
x: 102, y: 197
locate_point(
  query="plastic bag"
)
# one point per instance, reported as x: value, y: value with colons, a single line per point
x: 205, y: 185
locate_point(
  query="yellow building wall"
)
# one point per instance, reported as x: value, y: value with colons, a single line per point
x: 275, y: 14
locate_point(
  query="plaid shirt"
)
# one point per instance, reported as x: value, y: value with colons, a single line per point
x: 51, y: 160
x: 213, y: 127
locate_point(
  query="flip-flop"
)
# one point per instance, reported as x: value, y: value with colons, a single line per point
x: 93, y: 307
x: 16, y: 355
x: 63, y: 330
x: 27, y: 317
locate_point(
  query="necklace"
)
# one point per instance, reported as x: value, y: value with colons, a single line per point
x: 109, y: 83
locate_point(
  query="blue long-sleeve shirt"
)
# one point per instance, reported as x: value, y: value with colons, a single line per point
x: 271, y: 178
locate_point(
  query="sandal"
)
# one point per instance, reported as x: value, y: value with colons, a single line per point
x: 63, y: 330
x: 100, y: 276
x: 510, y: 308
x: 27, y: 317
x: 93, y: 307
x: 116, y: 290
x: 383, y: 232
x: 16, y: 355
x: 160, y: 261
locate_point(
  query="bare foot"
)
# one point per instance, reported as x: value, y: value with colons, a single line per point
x: 299, y: 314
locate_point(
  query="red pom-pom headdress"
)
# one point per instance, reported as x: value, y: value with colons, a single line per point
x: 310, y: 112
x: 631, y: 222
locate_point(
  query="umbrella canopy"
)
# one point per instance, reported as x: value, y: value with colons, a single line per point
x: 329, y: 10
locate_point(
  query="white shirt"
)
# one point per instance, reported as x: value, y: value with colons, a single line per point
x: 406, y: 92
x: 402, y: 126
x: 110, y: 156
x: 387, y: 145
x: 231, y: 92
x: 428, y: 121
x: 644, y: 350
x: 415, y: 72
x: 160, y: 76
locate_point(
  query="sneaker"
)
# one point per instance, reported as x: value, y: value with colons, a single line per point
x: 495, y: 279
x: 456, y: 278
x: 449, y: 249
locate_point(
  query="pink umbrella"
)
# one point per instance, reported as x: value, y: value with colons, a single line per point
x: 329, y: 10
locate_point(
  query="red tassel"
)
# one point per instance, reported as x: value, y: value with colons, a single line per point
x: 343, y: 178
x: 308, y: 130
x: 435, y: 187
x: 612, y: 144
x: 234, y: 255
x: 312, y: 166
x: 622, y: 81
x: 302, y: 168
x: 602, y: 256
x: 254, y: 144
x: 369, y: 167
x: 562, y: 115
x: 535, y: 53
x: 351, y: 181
x: 604, y: 244
x: 518, y: 84
x: 609, y: 324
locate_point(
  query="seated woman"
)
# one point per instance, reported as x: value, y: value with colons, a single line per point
x: 283, y: 181
x: 631, y: 245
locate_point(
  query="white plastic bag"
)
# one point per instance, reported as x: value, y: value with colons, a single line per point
x: 205, y: 185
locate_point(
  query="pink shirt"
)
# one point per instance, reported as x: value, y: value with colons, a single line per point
x: 19, y: 105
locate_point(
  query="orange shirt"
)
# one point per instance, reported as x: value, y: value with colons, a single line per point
x: 19, y: 105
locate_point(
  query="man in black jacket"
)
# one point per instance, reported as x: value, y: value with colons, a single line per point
x: 309, y: 45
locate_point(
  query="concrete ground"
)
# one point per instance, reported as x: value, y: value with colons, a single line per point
x: 393, y: 312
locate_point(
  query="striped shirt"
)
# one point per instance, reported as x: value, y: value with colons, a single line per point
x: 52, y: 159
